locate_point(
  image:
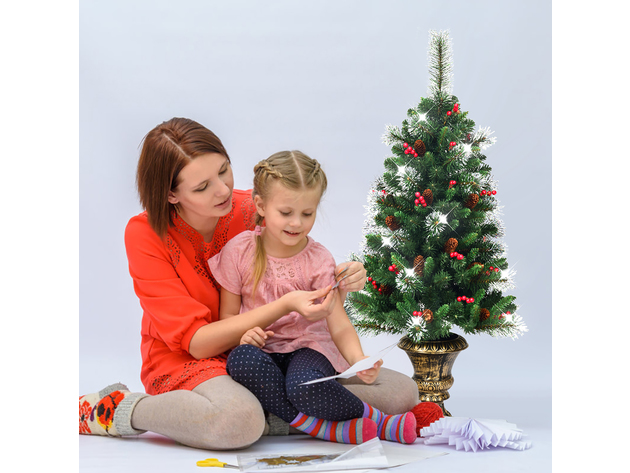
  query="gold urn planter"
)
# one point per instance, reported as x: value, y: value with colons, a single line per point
x: 432, y: 364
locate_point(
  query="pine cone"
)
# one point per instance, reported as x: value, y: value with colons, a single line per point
x: 450, y: 245
x: 471, y: 201
x: 428, y: 315
x: 392, y: 223
x: 418, y: 265
x: 428, y: 196
x: 474, y: 264
x: 484, y: 314
x: 420, y: 148
x: 387, y: 290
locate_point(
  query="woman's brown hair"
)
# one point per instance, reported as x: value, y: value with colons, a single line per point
x: 165, y: 151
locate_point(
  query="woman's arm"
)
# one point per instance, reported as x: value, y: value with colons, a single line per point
x: 224, y: 334
x: 347, y: 341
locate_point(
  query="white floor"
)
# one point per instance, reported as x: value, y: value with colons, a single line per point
x: 157, y: 454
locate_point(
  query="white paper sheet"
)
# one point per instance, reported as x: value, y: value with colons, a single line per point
x: 396, y: 454
x: 360, y: 365
x: 366, y: 455
x: 474, y: 434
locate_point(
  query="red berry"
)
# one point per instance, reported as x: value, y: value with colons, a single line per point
x: 415, y: 312
x: 472, y: 299
x: 370, y: 279
x: 456, y: 107
x: 496, y: 270
x: 448, y: 113
x: 459, y: 299
x: 424, y: 204
x: 418, y: 194
x: 417, y: 202
x: 460, y: 257
x: 494, y: 192
x: 415, y: 155
x: 406, y: 145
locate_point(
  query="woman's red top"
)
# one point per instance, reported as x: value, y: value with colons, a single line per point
x: 178, y: 294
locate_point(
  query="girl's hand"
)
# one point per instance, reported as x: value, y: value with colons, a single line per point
x: 354, y: 276
x: 256, y: 336
x: 369, y: 376
x: 304, y: 302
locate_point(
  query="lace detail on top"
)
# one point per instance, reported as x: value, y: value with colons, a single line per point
x: 193, y: 373
x: 249, y: 212
x: 173, y: 249
x: 284, y: 269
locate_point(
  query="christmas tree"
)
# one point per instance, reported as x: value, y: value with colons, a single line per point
x: 432, y: 243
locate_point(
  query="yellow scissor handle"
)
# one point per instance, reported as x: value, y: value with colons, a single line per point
x: 211, y: 462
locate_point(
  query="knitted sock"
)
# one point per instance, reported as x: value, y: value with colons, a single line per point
x: 397, y: 428
x: 354, y: 431
x: 108, y: 412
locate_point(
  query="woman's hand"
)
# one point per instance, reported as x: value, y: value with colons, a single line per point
x: 369, y: 376
x: 304, y: 302
x: 256, y: 336
x: 353, y: 278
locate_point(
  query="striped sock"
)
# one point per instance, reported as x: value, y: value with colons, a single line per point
x: 353, y: 431
x: 396, y: 428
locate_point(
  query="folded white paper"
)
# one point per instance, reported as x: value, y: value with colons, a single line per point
x: 366, y: 455
x: 360, y: 365
x: 474, y: 434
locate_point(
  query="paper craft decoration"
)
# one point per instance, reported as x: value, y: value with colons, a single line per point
x: 360, y: 365
x: 366, y: 455
x: 474, y: 434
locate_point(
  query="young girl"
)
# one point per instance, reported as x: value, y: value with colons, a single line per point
x: 257, y: 267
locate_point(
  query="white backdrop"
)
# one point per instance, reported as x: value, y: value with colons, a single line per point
x: 324, y: 77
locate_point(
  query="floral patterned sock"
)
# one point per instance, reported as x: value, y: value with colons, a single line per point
x: 399, y: 428
x: 108, y: 412
x: 354, y: 431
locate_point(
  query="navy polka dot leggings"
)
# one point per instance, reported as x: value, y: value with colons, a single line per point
x: 274, y: 379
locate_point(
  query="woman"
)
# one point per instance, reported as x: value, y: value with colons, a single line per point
x: 186, y: 187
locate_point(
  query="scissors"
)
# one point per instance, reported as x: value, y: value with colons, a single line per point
x: 215, y: 462
x: 337, y: 283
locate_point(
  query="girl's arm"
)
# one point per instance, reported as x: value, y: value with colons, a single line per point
x: 347, y: 341
x: 217, y: 337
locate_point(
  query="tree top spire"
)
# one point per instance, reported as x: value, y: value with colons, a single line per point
x: 440, y: 63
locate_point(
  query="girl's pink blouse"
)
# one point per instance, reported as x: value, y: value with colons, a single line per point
x: 311, y: 269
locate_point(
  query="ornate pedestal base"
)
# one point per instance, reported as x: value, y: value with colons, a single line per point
x: 432, y: 364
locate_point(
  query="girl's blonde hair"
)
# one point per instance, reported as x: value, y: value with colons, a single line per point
x: 294, y: 170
